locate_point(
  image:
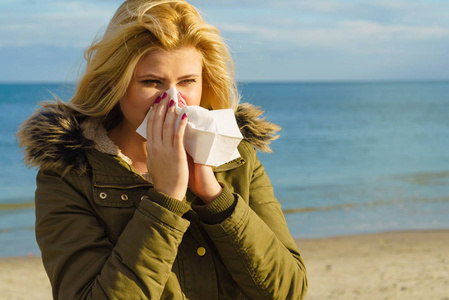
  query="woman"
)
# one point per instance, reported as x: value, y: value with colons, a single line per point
x: 119, y: 217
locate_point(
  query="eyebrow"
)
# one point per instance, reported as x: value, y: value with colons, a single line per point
x: 149, y: 75
x: 188, y: 76
x: 161, y: 78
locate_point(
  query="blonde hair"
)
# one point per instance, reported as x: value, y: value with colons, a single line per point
x: 138, y: 27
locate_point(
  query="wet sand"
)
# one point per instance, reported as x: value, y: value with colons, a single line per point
x: 393, y: 265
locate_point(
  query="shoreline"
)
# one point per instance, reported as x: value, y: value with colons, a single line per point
x: 412, y: 264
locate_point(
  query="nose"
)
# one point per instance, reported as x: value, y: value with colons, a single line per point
x: 169, y: 86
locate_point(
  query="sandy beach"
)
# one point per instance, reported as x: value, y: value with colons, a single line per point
x: 393, y: 265
x: 411, y: 265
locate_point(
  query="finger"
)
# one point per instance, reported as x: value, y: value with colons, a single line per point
x: 182, y: 101
x: 180, y: 131
x: 160, y: 110
x: 169, y: 125
x: 151, y: 117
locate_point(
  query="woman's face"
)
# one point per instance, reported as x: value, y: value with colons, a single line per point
x: 155, y: 73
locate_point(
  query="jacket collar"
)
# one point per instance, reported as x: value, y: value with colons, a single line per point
x: 95, y: 131
x: 235, y: 163
x: 57, y: 137
x: 112, y: 171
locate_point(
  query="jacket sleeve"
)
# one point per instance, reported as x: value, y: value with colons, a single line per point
x: 254, y: 241
x: 80, y: 259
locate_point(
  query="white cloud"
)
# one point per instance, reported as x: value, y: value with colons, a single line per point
x: 66, y: 23
x: 261, y: 31
x: 373, y: 26
x: 328, y: 6
x: 367, y: 8
x: 349, y: 35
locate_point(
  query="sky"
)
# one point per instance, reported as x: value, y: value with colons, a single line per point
x: 282, y: 40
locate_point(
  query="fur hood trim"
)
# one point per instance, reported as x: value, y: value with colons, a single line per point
x: 54, y: 137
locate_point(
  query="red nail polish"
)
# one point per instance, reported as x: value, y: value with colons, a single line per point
x: 184, y: 116
x: 180, y: 94
x: 158, y: 99
x: 163, y: 96
x: 171, y: 103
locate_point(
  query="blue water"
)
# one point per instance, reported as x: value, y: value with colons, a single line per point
x: 351, y: 158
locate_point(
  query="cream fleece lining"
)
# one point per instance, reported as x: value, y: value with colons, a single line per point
x: 94, y: 130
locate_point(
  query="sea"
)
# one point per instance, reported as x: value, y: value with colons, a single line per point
x: 351, y: 158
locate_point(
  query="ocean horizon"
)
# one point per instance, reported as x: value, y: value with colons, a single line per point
x: 352, y: 157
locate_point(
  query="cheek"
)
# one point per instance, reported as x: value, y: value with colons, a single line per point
x: 193, y: 97
x: 135, y: 107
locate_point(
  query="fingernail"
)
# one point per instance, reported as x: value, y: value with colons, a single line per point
x: 171, y: 103
x: 158, y: 99
x: 184, y: 116
x: 163, y: 96
x: 182, y: 99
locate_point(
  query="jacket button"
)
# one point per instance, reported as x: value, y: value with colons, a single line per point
x: 201, y: 251
x: 124, y: 197
x: 103, y: 195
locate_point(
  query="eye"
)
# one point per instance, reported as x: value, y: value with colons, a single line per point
x: 151, y: 81
x: 187, y: 81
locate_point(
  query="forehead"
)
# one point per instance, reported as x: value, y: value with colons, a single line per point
x: 185, y: 57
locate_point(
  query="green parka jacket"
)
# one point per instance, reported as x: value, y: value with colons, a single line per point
x: 105, y: 233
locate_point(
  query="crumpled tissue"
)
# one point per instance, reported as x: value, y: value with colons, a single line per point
x: 211, y: 136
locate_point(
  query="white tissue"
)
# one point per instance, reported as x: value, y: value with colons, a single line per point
x: 211, y: 136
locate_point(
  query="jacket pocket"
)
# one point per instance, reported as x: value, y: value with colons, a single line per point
x: 108, y: 195
x: 116, y: 205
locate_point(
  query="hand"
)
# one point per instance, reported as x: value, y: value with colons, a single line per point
x: 166, y: 156
x: 202, y: 181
